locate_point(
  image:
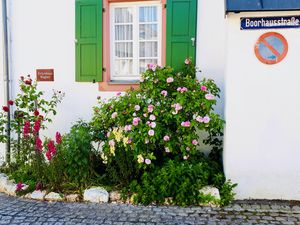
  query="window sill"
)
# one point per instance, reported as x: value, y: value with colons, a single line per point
x: 117, y: 85
x: 125, y: 82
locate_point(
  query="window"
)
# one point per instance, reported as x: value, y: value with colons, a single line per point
x: 135, y: 33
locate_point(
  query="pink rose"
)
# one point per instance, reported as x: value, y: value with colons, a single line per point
x: 199, y: 119
x: 194, y: 142
x: 152, y: 124
x: 135, y: 121
x: 166, y: 138
x: 186, y: 157
x: 187, y: 61
x: 170, y: 80
x: 127, y: 127
x: 150, y: 108
x: 114, y: 115
x: 186, y: 124
x: 111, y: 143
x: 152, y: 117
x: 209, y: 96
x: 148, y: 161
x: 187, y: 148
x: 164, y: 93
x: 151, y: 132
x: 206, y: 119
x: 137, y: 107
x: 203, y: 88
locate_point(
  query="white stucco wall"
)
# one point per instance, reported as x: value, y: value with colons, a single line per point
x: 211, y: 41
x: 262, y: 148
x: 2, y: 90
x: 43, y: 37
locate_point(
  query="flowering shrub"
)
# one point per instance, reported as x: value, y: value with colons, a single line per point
x: 30, y: 113
x: 161, y: 120
x: 143, y: 129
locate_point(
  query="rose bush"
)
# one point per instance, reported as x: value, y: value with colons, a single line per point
x: 161, y: 120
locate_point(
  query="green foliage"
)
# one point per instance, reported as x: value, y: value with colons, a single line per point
x: 79, y: 155
x: 179, y: 184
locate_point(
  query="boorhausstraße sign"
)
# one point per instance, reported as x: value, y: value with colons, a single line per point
x: 279, y: 22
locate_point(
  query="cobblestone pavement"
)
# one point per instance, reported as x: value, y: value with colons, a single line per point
x: 23, y: 211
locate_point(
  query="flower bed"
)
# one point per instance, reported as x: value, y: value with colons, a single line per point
x: 147, y: 142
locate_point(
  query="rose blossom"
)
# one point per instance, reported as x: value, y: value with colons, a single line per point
x: 194, y: 142
x: 151, y: 132
x: 5, y: 108
x: 186, y: 157
x: 199, y: 119
x: 206, y: 119
x: 166, y: 138
x: 170, y: 80
x: 19, y: 186
x: 187, y: 148
x: 152, y: 124
x: 150, y: 108
x: 137, y: 107
x: 203, y: 88
x: 186, y: 124
x: 164, y: 93
x: 114, y: 115
x: 135, y: 121
x: 127, y: 127
x: 209, y: 96
x: 148, y: 161
x: 187, y: 61
x: 10, y: 102
x: 152, y: 117
x: 36, y: 112
x: 111, y: 143
x: 118, y: 94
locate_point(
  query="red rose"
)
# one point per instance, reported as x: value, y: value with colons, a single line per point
x: 28, y: 81
x: 10, y: 102
x: 5, y: 108
x: 36, y: 112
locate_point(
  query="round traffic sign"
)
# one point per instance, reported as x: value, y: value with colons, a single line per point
x: 271, y: 48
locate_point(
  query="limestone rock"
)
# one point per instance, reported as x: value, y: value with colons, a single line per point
x: 3, y: 182
x: 96, y: 195
x: 52, y: 196
x: 72, y: 198
x: 38, y: 195
x: 212, y: 191
x: 114, y: 196
x: 10, y: 188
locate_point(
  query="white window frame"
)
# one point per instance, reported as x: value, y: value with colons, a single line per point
x: 136, y: 40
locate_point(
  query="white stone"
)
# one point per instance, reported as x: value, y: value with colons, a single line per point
x: 72, y: 198
x: 96, y: 195
x: 10, y: 188
x: 3, y: 182
x: 38, y: 195
x: 114, y: 196
x: 52, y: 196
x: 212, y: 191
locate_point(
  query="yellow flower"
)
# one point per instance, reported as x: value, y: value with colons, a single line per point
x: 140, y: 159
x: 118, y: 134
x: 125, y: 141
x: 112, y: 150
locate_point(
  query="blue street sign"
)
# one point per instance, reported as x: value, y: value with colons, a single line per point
x: 256, y: 23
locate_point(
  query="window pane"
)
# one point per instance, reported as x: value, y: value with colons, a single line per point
x: 148, y: 49
x: 148, y: 14
x: 145, y: 62
x: 123, y: 15
x: 148, y: 31
x: 123, y: 50
x: 123, y: 67
x: 123, y: 32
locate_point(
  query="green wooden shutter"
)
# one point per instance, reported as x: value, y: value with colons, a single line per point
x: 181, y: 28
x: 89, y: 40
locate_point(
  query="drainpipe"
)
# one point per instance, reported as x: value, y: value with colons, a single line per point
x: 6, y: 75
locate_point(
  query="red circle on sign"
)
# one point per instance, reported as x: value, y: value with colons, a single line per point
x: 271, y: 48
